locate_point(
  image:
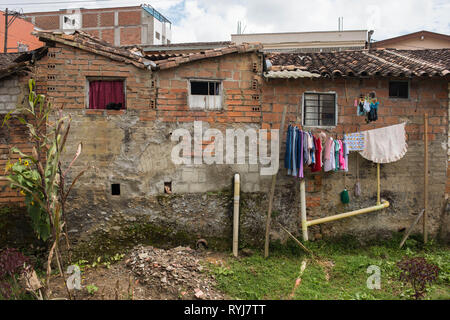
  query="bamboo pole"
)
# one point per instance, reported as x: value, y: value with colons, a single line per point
x: 381, y: 206
x: 303, y: 209
x: 378, y: 185
x: 425, y: 202
x: 236, y: 215
x: 410, y: 229
x: 272, y: 186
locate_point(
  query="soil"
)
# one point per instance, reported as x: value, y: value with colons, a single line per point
x: 148, y: 273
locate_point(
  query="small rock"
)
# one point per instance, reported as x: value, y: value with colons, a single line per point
x: 199, y: 294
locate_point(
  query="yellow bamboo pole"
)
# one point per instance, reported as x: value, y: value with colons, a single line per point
x: 381, y: 206
x: 378, y: 185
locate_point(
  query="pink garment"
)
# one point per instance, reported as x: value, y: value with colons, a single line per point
x: 327, y: 151
x: 341, y: 156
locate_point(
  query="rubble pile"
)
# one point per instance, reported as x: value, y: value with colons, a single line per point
x: 175, y: 271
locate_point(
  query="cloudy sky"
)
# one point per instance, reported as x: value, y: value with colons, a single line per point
x: 209, y: 20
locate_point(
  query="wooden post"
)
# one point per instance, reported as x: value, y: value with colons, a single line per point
x: 272, y: 186
x: 411, y: 227
x: 425, y: 202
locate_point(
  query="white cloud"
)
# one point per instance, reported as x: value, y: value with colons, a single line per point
x: 205, y: 20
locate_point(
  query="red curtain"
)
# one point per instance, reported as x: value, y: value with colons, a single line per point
x: 102, y: 93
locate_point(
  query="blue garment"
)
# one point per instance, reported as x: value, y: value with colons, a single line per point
x: 294, y: 153
x: 313, y: 150
x: 287, y: 155
x: 301, y: 141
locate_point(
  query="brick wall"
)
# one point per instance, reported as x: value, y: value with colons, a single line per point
x: 241, y: 103
x: 401, y: 181
x: 118, y: 26
x: 133, y: 147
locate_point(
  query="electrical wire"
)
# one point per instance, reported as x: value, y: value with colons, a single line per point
x: 55, y: 2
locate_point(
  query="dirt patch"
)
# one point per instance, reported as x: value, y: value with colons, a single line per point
x: 176, y: 272
x: 147, y: 273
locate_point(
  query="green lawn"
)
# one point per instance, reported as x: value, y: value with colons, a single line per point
x: 254, y: 277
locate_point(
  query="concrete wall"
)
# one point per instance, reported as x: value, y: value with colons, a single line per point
x: 306, y: 41
x: 9, y: 94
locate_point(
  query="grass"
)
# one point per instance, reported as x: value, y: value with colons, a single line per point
x: 254, y: 277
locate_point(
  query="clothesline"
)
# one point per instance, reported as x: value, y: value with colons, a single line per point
x: 319, y: 152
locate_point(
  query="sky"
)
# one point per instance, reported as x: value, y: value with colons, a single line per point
x: 216, y: 20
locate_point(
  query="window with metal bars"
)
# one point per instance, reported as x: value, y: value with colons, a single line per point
x: 319, y: 109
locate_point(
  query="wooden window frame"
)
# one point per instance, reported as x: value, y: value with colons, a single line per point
x: 206, y: 108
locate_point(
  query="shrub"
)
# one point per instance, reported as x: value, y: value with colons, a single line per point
x: 419, y: 273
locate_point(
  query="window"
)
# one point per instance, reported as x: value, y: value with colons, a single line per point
x: 163, y: 40
x: 157, y: 35
x: 204, y: 94
x: 319, y: 109
x: 106, y: 94
x: 399, y: 89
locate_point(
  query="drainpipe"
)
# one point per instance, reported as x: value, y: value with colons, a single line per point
x: 236, y: 214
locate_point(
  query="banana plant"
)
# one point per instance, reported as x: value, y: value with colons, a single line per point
x: 39, y: 175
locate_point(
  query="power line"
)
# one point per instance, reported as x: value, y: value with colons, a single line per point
x: 55, y: 2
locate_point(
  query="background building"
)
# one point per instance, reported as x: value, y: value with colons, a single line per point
x: 138, y: 25
x: 316, y: 41
x: 415, y: 41
x: 19, y: 35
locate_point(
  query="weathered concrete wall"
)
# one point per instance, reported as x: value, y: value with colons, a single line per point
x: 10, y: 93
x: 133, y: 148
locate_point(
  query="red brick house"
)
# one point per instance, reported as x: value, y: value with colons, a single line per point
x: 241, y: 88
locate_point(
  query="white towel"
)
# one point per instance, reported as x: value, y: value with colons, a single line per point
x: 385, y: 145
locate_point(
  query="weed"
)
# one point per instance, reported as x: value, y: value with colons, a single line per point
x: 91, y: 289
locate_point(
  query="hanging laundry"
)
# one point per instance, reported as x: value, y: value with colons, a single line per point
x: 336, y: 154
x: 355, y: 141
x: 366, y: 106
x: 306, y: 155
x: 313, y: 149
x: 287, y: 154
x: 346, y: 152
x: 318, y: 151
x: 333, y: 155
x: 373, y: 113
x: 359, y: 104
x: 385, y: 145
x: 341, y: 156
x: 327, y: 157
x: 300, y: 154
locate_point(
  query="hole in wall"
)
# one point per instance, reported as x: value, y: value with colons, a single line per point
x: 115, y: 189
x: 168, y: 187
